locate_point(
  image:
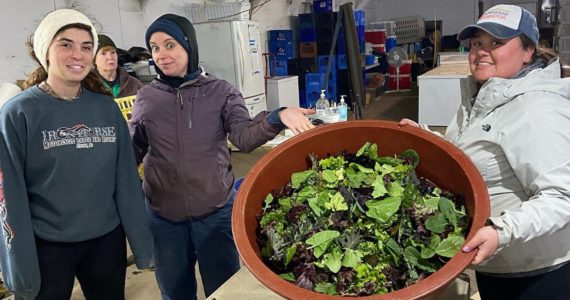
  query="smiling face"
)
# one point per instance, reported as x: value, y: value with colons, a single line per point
x: 493, y: 57
x: 70, y: 56
x: 107, y: 59
x: 168, y: 55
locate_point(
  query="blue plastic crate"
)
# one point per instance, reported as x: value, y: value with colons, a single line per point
x: 303, y: 99
x: 322, y: 6
x: 342, y: 61
x: 360, y: 33
x: 307, y: 35
x: 281, y: 35
x: 277, y: 67
x: 322, y: 63
x: 359, y: 18
x: 313, y: 86
x: 307, y: 20
x: 283, y: 50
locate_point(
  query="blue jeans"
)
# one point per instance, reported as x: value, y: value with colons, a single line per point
x: 178, y: 245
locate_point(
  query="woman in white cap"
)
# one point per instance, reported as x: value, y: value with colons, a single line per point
x: 70, y: 190
x: 516, y: 129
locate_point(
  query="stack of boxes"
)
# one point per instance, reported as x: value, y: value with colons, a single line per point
x: 282, y: 47
x: 315, y: 34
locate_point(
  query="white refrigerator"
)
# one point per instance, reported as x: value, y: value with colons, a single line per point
x: 231, y: 51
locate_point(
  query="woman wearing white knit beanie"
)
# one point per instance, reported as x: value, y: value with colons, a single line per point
x: 69, y: 188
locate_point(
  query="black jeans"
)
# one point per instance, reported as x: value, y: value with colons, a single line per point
x: 99, y: 265
x: 554, y: 285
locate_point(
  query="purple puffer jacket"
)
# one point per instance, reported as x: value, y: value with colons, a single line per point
x: 180, y: 135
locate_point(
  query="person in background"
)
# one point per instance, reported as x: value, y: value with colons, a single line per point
x: 69, y: 185
x: 515, y: 128
x: 180, y: 126
x: 115, y: 78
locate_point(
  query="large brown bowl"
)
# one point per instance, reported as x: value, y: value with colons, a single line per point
x: 440, y: 162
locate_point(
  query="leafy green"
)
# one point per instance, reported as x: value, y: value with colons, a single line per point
x: 321, y: 240
x: 450, y: 246
x: 351, y: 258
x: 325, y: 288
x: 436, y: 223
x: 301, y: 177
x: 336, y: 203
x: 289, y: 253
x: 382, y: 210
x: 379, y: 188
x: 359, y: 224
x: 447, y: 208
x: 287, y: 276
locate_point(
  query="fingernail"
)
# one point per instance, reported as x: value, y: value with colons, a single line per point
x: 466, y: 249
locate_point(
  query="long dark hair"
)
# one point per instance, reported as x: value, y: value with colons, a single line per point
x: 91, y: 82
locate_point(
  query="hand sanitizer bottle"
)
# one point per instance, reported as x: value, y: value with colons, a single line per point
x: 322, y: 104
x: 342, y: 109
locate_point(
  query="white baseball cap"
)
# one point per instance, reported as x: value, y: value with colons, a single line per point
x: 504, y: 22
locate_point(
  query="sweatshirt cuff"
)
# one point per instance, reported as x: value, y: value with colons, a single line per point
x: 503, y: 231
x: 274, y: 119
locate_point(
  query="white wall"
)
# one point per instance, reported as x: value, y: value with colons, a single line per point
x: 126, y: 20
x: 530, y: 5
x: 455, y: 13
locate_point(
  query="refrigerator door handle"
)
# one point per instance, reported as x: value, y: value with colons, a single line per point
x: 241, y: 53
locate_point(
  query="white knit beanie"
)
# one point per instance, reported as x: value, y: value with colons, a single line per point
x: 53, y: 22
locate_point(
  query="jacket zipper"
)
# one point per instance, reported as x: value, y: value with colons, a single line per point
x: 179, y: 96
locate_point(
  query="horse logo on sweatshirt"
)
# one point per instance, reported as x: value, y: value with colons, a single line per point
x: 7, y: 230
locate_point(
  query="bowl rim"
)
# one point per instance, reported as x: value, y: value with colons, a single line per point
x: 422, y: 288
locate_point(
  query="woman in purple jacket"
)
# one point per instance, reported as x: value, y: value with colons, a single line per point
x: 180, y: 126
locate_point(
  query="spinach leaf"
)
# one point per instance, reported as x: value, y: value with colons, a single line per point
x: 447, y: 207
x: 333, y: 260
x: 431, y: 202
x: 301, y: 177
x: 429, y: 250
x: 307, y: 192
x: 414, y: 258
x: 450, y: 246
x: 351, y: 258
x: 289, y: 253
x: 382, y: 210
x: 325, y: 288
x: 394, y: 249
x: 436, y: 223
x: 321, y: 240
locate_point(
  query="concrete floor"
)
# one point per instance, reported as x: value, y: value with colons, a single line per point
x: 141, y: 285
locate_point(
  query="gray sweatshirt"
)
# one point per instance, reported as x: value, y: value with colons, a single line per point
x: 68, y: 175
